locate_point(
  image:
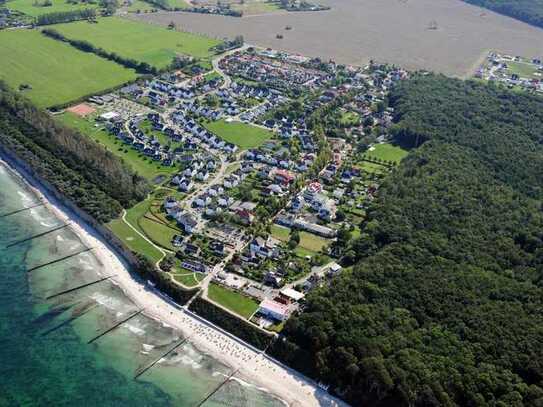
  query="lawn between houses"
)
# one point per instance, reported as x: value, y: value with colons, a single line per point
x: 56, y: 72
x: 241, y: 134
x: 143, y: 42
x: 235, y: 302
x: 309, y: 245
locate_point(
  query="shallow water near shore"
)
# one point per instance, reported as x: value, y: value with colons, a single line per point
x: 55, y: 345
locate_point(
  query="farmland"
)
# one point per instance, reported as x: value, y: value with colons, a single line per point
x: 35, y: 9
x: 143, y: 42
x: 241, y: 134
x: 387, y: 31
x: 55, y: 72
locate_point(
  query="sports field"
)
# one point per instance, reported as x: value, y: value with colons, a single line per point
x: 56, y: 72
x: 140, y: 41
x: 241, y: 134
x: 35, y: 8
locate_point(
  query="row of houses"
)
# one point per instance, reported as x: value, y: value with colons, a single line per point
x: 191, y: 127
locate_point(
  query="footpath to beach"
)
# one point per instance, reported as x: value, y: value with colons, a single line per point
x: 253, y: 366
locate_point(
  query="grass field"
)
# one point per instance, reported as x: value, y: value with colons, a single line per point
x: 188, y: 279
x: 280, y: 232
x: 143, y: 42
x: 241, y: 134
x: 134, y: 241
x: 524, y: 70
x: 141, y: 164
x: 240, y: 304
x: 312, y: 242
x: 387, y: 152
x: 34, y: 9
x: 57, y: 72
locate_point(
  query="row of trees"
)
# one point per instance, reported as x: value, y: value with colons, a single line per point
x: 95, y: 179
x: 66, y: 16
x: 85, y: 46
x: 443, y: 306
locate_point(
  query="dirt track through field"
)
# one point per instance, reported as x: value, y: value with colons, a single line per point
x: 394, y: 31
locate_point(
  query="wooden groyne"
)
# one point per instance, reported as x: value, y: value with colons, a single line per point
x: 150, y: 365
x: 26, y: 239
x: 21, y: 210
x: 59, y: 260
x: 79, y: 287
x: 116, y: 325
x: 89, y: 307
x: 218, y: 388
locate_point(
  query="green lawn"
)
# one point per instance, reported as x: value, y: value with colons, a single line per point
x: 349, y: 119
x: 241, y: 134
x: 34, y: 8
x: 312, y: 242
x: 387, y: 152
x: 235, y: 302
x: 302, y: 252
x: 141, y: 164
x: 140, y: 41
x: 280, y: 232
x: 372, y: 168
x: 523, y: 69
x: 188, y: 279
x: 57, y: 72
x: 134, y: 241
x: 159, y: 233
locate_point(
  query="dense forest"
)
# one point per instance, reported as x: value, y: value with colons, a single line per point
x: 529, y: 11
x: 445, y: 303
x: 85, y: 172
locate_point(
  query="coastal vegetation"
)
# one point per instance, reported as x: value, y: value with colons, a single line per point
x: 442, y: 306
x: 91, y: 177
x: 52, y: 72
x: 243, y: 330
x: 140, y: 164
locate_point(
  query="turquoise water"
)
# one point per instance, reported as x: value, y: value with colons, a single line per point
x: 45, y: 355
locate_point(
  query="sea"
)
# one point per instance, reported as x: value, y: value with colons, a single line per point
x: 56, y: 312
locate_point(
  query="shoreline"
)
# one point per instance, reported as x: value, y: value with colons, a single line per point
x: 259, y: 369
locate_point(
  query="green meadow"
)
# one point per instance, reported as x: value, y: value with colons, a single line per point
x: 35, y: 8
x: 241, y: 134
x: 387, y: 152
x: 56, y: 72
x: 143, y: 42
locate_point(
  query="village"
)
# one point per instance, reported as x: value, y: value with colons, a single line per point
x: 514, y: 71
x: 262, y: 168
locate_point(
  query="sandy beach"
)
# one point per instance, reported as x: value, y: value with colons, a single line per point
x: 288, y: 385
